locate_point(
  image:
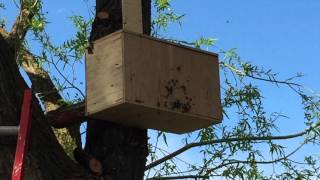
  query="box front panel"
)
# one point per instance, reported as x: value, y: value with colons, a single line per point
x: 104, y: 74
x: 173, y: 78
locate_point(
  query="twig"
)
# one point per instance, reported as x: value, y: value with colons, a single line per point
x: 257, y: 162
x: 274, y: 81
x: 258, y: 78
x: 167, y: 152
x: 180, y: 177
x: 198, y: 144
x: 66, y: 79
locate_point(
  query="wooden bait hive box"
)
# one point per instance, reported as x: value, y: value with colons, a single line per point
x: 140, y: 81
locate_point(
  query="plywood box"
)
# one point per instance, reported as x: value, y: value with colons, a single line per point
x: 145, y: 82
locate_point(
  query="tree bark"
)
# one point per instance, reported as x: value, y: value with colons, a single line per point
x: 88, y: 161
x: 46, y: 159
x: 122, y: 150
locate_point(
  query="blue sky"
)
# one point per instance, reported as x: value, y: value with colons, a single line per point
x: 282, y: 35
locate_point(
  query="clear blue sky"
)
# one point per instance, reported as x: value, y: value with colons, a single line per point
x: 282, y: 35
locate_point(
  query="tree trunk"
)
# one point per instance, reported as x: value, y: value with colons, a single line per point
x: 122, y: 150
x: 46, y: 159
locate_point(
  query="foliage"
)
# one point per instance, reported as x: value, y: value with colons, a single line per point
x: 163, y: 17
x: 64, y: 58
x: 61, y: 62
x: 241, y: 95
x: 237, y: 149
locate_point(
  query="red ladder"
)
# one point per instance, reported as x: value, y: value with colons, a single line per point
x: 23, y: 132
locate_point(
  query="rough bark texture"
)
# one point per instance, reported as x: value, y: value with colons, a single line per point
x: 45, y: 158
x: 122, y: 150
x: 88, y: 161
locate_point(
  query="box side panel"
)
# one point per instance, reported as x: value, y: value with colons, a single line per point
x: 104, y: 74
x: 165, y: 76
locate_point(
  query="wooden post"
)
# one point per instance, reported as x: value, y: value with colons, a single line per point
x: 132, y: 16
x: 122, y: 150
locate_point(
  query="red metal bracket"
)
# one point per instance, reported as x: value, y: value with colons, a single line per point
x: 23, y: 136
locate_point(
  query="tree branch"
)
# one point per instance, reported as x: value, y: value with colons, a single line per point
x: 28, y: 9
x: 42, y: 84
x: 241, y: 73
x: 67, y: 116
x: 179, y: 177
x: 256, y: 162
x: 66, y: 79
x: 41, y: 81
x: 199, y: 144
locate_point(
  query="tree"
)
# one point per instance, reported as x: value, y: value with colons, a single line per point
x: 121, y: 150
x: 129, y: 145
